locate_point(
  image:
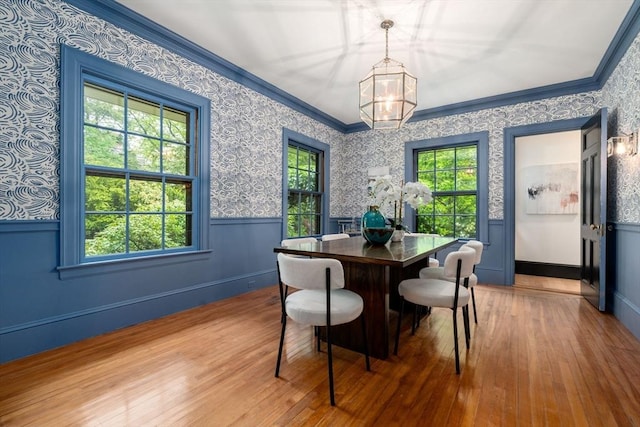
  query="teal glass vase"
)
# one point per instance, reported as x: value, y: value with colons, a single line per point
x: 374, y: 228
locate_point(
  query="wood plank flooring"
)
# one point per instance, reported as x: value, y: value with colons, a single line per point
x: 536, y: 359
x: 552, y: 284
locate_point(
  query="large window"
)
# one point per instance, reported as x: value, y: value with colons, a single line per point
x: 138, y: 172
x: 305, y: 199
x: 134, y: 165
x: 451, y: 174
x: 304, y: 182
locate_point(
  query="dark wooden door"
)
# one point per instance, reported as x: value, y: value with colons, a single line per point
x: 594, y: 211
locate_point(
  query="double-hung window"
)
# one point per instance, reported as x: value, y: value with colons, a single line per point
x: 455, y: 168
x: 305, y: 182
x: 138, y: 173
x: 451, y: 174
x: 134, y: 166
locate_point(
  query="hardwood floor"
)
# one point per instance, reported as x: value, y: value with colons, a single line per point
x: 552, y: 284
x: 536, y: 359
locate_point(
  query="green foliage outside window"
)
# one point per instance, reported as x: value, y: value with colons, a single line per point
x: 304, y: 192
x: 451, y: 174
x: 137, y: 178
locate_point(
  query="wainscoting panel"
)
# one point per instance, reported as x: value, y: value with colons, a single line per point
x: 39, y: 311
x: 626, y: 288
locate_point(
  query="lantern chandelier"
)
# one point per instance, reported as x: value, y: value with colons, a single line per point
x: 388, y: 94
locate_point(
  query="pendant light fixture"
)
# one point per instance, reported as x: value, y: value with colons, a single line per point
x: 388, y: 94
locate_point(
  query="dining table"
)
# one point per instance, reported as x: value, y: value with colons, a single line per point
x: 374, y: 272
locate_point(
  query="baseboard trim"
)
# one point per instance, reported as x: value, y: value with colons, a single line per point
x: 561, y: 271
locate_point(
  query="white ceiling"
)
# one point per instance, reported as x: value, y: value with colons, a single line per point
x: 460, y: 50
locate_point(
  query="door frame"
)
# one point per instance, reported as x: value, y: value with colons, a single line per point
x: 509, y: 203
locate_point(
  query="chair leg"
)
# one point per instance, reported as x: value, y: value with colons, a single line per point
x: 467, y: 331
x: 395, y: 348
x: 330, y: 364
x: 364, y: 339
x: 284, y: 325
x: 286, y: 291
x: 455, y: 340
x: 473, y: 300
x: 413, y: 321
x: 316, y: 331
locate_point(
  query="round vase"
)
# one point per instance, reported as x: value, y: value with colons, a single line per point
x: 373, y: 218
x: 374, y: 228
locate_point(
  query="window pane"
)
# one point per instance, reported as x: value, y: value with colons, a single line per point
x: 104, y: 194
x: 308, y: 181
x: 175, y: 125
x: 143, y: 117
x: 104, y: 234
x: 466, y: 179
x: 466, y: 157
x: 178, y: 197
x: 292, y: 157
x: 178, y: 231
x: 444, y: 205
x: 313, y: 162
x: 175, y: 159
x: 428, y: 179
x: 466, y: 226
x: 145, y: 232
x: 445, y: 181
x: 103, y: 147
x: 444, y: 225
x: 303, y: 159
x: 145, y: 195
x: 293, y: 203
x: 103, y: 107
x: 466, y: 205
x: 293, y: 225
x: 426, y: 161
x: 143, y: 153
x: 445, y: 159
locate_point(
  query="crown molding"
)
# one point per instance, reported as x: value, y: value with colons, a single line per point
x: 129, y: 20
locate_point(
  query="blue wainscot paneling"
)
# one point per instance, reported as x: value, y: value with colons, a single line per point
x: 626, y: 288
x: 40, y: 311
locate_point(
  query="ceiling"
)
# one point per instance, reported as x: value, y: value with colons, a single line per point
x: 460, y: 50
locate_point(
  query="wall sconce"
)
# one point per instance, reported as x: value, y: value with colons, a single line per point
x: 625, y: 144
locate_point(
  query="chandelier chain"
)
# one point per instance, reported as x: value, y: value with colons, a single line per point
x: 386, y: 24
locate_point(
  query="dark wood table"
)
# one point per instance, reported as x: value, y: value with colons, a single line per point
x: 374, y: 272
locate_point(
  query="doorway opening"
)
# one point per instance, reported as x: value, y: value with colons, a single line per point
x: 547, y: 220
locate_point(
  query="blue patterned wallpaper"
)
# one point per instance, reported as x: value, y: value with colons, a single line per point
x: 381, y: 148
x: 246, y: 129
x: 620, y: 95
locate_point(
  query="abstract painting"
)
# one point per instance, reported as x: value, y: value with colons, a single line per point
x: 551, y: 189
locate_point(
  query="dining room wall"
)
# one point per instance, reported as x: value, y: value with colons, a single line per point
x: 39, y: 311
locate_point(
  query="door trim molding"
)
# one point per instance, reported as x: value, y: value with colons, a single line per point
x: 510, y: 134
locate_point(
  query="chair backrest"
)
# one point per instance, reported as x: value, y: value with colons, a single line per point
x: 335, y: 236
x: 310, y: 273
x: 290, y: 242
x: 476, y: 246
x: 467, y: 255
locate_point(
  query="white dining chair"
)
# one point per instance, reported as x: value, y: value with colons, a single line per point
x: 450, y: 293
x: 321, y: 300
x: 435, y: 273
x: 297, y: 241
x: 335, y: 236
